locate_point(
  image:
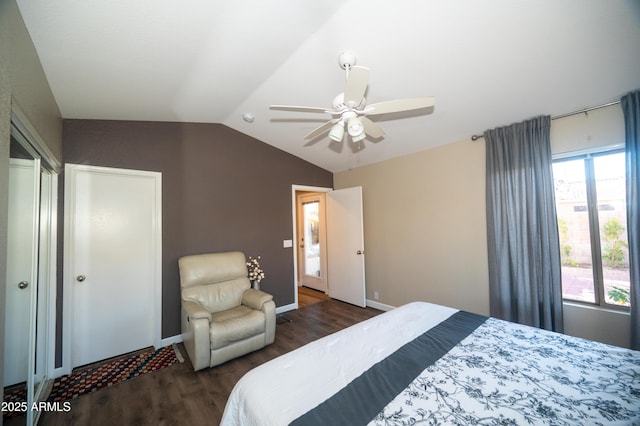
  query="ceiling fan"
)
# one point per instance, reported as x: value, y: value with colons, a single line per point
x: 350, y: 108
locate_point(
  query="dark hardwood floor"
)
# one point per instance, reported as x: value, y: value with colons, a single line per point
x: 177, y: 395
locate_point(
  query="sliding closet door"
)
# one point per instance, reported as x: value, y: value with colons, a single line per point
x: 21, y: 267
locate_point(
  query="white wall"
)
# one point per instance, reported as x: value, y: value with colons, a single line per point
x: 425, y: 224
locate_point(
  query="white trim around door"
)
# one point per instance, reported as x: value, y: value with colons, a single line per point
x: 72, y: 173
x: 294, y: 218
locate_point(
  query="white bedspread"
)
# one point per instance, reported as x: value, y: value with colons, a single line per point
x: 283, y: 389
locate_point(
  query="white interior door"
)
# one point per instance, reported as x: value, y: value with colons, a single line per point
x: 113, y: 261
x: 21, y: 267
x: 345, y: 245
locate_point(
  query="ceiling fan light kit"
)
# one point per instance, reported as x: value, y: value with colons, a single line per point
x: 337, y: 132
x: 358, y: 138
x: 350, y: 107
x: 355, y: 128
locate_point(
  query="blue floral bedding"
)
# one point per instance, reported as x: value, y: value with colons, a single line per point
x: 492, y: 372
x: 508, y: 374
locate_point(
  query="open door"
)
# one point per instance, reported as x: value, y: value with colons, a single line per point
x: 345, y: 246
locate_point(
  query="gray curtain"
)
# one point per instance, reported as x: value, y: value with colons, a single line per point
x: 631, y: 109
x: 522, y: 229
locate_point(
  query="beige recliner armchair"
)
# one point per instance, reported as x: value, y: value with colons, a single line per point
x: 222, y: 316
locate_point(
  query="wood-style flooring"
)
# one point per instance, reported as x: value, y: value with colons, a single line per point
x: 308, y: 296
x: 177, y: 395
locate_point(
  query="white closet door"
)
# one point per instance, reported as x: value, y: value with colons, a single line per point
x: 113, y: 261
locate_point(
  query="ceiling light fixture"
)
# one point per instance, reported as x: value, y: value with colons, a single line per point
x: 355, y: 129
x: 350, y: 107
x: 337, y: 132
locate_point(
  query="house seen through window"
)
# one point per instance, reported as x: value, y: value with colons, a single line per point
x: 592, y: 223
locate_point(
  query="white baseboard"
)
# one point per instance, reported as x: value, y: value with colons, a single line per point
x: 286, y: 308
x: 370, y: 303
x: 377, y: 305
x: 59, y: 372
x: 171, y: 340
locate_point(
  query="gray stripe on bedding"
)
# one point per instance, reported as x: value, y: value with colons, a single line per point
x: 362, y: 399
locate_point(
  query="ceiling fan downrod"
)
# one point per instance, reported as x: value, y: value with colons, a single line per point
x: 346, y: 60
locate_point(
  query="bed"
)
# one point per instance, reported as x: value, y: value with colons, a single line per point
x: 429, y: 364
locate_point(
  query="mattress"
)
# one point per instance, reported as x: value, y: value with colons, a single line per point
x: 431, y: 364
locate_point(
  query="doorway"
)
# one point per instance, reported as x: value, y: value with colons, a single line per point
x: 344, y: 247
x: 311, y: 243
x: 299, y: 191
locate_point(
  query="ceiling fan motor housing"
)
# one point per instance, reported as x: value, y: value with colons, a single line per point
x: 339, y: 105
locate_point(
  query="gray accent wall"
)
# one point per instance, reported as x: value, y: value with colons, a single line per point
x: 222, y: 191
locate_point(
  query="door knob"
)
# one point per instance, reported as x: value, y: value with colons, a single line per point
x: 81, y: 278
x: 23, y: 284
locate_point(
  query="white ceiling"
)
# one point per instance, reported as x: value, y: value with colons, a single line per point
x: 488, y: 63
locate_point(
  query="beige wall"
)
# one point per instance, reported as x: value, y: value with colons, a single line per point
x: 425, y: 224
x: 425, y: 233
x: 23, y: 83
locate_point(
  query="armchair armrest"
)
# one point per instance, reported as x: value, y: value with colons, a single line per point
x: 195, y: 310
x: 255, y: 299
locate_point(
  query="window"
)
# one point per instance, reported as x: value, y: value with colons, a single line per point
x: 591, y: 208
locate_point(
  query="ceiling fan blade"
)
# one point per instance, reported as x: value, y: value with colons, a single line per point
x: 322, y: 129
x: 371, y: 128
x: 356, y: 86
x: 301, y: 109
x: 400, y: 105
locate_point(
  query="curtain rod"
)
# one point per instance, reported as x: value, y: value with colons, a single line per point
x: 568, y: 114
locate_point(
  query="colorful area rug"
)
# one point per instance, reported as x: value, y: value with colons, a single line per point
x: 110, y: 373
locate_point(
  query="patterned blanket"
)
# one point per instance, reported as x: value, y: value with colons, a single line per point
x: 430, y: 364
x: 499, y: 374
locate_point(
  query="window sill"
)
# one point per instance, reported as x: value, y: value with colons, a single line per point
x: 596, y: 308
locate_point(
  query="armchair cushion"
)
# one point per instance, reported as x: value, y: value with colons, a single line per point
x: 211, y: 268
x: 234, y: 325
x: 219, y: 297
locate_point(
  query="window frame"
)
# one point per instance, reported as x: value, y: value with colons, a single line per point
x: 594, y: 221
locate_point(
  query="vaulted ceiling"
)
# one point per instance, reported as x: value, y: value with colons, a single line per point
x: 487, y: 62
